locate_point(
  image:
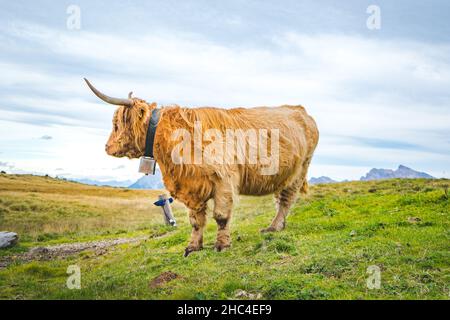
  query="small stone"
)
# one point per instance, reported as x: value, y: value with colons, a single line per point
x: 8, y: 239
x: 414, y: 219
x: 39, y: 251
x: 242, y: 294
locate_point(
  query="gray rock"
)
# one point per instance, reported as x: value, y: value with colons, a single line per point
x: 8, y: 239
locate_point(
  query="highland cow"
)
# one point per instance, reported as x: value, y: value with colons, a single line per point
x: 195, y: 183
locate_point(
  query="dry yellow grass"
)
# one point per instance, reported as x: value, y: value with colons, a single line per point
x: 50, y: 208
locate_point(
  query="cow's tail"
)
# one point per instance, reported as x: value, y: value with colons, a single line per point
x: 304, y: 188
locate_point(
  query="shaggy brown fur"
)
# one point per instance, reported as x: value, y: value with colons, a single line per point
x: 195, y: 184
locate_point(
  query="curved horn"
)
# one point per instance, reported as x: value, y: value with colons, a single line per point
x: 111, y: 100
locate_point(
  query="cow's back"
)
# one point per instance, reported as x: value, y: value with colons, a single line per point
x: 298, y: 137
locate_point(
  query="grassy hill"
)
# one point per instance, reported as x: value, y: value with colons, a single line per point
x: 332, y: 237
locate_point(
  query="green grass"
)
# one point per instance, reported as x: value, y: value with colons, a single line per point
x: 332, y: 237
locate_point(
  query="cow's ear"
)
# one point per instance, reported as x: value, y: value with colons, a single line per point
x: 141, y: 113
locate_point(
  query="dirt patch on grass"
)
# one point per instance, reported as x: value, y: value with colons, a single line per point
x: 163, y: 278
x: 63, y: 250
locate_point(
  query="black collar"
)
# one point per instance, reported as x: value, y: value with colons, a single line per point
x: 150, y: 138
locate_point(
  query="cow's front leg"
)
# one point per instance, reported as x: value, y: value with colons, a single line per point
x: 197, y: 218
x: 223, y: 205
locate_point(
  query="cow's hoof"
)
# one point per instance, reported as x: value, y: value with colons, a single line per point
x: 220, y: 246
x: 190, y: 249
x: 269, y: 229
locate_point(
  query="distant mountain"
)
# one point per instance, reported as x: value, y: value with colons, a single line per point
x: 321, y: 180
x: 110, y: 183
x: 155, y: 181
x: 401, y: 172
x: 148, y: 182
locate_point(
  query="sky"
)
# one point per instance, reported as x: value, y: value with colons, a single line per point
x: 380, y: 97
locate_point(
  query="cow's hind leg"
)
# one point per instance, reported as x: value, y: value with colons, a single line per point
x: 223, y: 206
x: 197, y: 218
x: 287, y: 196
x: 283, y: 202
